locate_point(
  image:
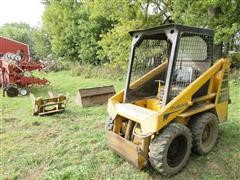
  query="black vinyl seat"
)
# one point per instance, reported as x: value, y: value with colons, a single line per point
x: 183, y: 74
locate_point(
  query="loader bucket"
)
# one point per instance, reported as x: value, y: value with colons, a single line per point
x: 126, y: 149
x: 44, y: 106
x: 94, y: 96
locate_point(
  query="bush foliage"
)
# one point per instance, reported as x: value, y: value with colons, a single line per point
x: 235, y: 60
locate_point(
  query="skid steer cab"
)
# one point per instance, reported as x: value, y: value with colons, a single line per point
x: 173, y: 101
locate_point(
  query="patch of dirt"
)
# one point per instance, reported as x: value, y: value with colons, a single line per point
x: 237, y: 155
x: 10, y: 119
x: 99, y: 125
x: 36, y: 123
x: 52, y: 134
x: 214, y: 166
x: 74, y: 119
x: 36, y: 173
x: 42, y: 134
x: 2, y: 131
x: 12, y: 122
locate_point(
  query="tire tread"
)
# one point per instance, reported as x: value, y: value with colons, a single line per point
x: 196, y: 125
x: 159, y: 146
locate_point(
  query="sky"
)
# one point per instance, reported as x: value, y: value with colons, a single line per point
x: 28, y: 11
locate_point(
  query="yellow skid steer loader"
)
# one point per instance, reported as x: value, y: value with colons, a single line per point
x: 174, y: 98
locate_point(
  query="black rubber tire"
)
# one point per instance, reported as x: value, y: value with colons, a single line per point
x: 109, y: 124
x: 12, y: 91
x: 162, y: 146
x: 199, y: 125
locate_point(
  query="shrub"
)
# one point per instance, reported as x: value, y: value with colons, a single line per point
x: 104, y: 71
x: 235, y: 60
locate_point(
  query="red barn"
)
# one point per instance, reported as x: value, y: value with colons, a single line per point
x: 12, y: 46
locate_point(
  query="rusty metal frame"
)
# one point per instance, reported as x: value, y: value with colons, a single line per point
x: 53, y: 104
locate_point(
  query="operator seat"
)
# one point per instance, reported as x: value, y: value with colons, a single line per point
x: 184, y: 75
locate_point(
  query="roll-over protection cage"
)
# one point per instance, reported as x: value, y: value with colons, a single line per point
x: 188, y: 52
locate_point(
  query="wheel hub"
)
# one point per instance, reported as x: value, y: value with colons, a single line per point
x: 207, y: 135
x: 177, y: 151
x: 23, y: 92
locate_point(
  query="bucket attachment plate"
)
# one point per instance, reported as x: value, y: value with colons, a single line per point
x: 54, y: 104
x: 126, y: 149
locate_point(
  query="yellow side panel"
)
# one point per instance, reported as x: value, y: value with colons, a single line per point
x: 222, y: 109
x: 153, y: 104
x: 221, y: 82
x: 141, y: 103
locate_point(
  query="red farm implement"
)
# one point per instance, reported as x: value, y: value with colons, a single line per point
x: 16, y: 67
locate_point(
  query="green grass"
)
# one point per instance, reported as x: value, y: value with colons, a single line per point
x: 72, y: 145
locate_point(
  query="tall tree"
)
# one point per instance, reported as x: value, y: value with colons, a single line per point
x: 74, y: 34
x: 95, y: 31
x: 18, y: 31
x: 126, y: 16
x: 221, y: 15
x: 41, y: 43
